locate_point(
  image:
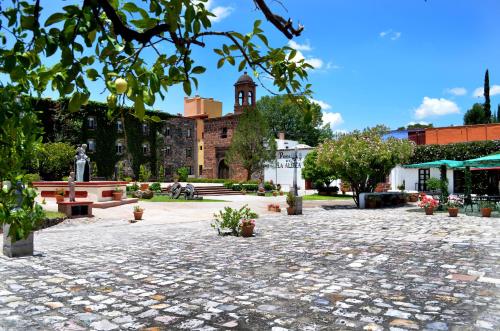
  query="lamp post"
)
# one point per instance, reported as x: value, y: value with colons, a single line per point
x: 295, y: 193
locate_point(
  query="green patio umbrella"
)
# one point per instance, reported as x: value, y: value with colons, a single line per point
x: 450, y: 164
x: 488, y: 161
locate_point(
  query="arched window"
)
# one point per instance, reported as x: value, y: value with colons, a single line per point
x: 241, y: 98
x: 250, y: 98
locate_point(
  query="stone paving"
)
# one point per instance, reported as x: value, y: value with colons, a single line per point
x: 325, y: 270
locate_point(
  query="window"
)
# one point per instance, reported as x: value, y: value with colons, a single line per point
x: 119, y: 126
x: 145, y: 148
x: 145, y: 129
x: 167, y: 131
x: 250, y: 97
x: 241, y: 98
x: 91, y: 122
x: 189, y: 133
x: 168, y: 151
x: 201, y: 148
x: 91, y: 145
x: 223, y: 133
x: 189, y: 153
x: 200, y: 170
x: 190, y: 170
x: 119, y: 147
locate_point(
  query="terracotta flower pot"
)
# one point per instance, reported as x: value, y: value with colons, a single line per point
x: 290, y: 210
x: 138, y: 215
x: 486, y: 212
x: 413, y: 198
x: 453, y: 212
x: 281, y: 193
x: 59, y: 198
x: 429, y: 210
x: 117, y: 196
x: 247, y: 230
x: 144, y: 187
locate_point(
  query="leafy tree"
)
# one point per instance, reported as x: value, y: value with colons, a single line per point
x: 300, y: 121
x: 416, y: 126
x: 20, y: 140
x: 55, y: 160
x: 487, y: 105
x: 363, y: 159
x: 475, y: 115
x: 252, y: 145
x: 320, y: 175
x: 183, y: 173
x: 498, y: 114
x: 104, y: 40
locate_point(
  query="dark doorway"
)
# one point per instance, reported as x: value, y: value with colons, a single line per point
x: 223, y: 170
x: 423, y: 175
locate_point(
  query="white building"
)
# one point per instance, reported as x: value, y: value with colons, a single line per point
x: 414, y: 179
x: 281, y: 170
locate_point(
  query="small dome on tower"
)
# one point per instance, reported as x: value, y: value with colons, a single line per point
x: 244, y: 79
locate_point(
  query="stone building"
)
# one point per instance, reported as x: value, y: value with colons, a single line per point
x: 179, y: 146
x: 218, y: 133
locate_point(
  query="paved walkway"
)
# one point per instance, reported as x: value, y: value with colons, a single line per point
x: 325, y: 270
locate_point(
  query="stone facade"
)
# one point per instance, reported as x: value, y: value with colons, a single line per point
x: 179, y: 145
x: 217, y: 139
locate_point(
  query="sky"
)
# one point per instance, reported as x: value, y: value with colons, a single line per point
x: 389, y: 62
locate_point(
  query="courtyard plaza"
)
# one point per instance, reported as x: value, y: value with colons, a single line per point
x: 333, y: 268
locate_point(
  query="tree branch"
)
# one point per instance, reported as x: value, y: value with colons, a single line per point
x: 286, y: 27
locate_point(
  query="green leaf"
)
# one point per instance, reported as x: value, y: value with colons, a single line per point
x: 198, y: 70
x: 75, y: 102
x: 186, y: 85
x: 140, y: 110
x: 220, y: 63
x: 55, y: 18
x: 242, y: 65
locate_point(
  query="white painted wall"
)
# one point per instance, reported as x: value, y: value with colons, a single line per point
x: 410, y: 177
x: 281, y: 170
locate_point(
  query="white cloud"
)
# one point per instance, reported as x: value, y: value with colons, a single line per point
x: 315, y: 62
x: 494, y: 90
x: 300, y: 47
x: 393, y: 35
x: 220, y: 12
x: 322, y: 104
x: 420, y: 122
x: 331, y: 65
x: 436, y: 107
x: 333, y: 119
x: 457, y: 91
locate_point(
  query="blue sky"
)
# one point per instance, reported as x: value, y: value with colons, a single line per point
x: 377, y: 61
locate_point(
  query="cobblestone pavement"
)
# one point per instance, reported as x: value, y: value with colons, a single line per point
x: 325, y: 270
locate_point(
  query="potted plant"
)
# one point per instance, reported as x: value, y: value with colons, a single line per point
x: 486, y: 208
x: 117, y: 194
x: 454, y: 202
x: 275, y: 193
x: 290, y: 200
x: 144, y: 186
x: 59, y: 195
x: 227, y: 221
x: 428, y: 203
x: 413, y: 197
x: 138, y: 211
x: 246, y: 227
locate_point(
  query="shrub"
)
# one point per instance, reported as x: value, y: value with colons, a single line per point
x: 55, y: 160
x: 144, y: 173
x: 433, y: 184
x: 183, y: 173
x: 155, y: 187
x: 268, y: 186
x: 132, y: 188
x: 229, y: 219
x: 290, y: 199
x: 30, y: 178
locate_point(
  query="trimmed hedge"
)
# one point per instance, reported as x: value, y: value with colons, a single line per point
x: 457, y: 151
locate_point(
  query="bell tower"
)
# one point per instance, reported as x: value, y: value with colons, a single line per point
x: 244, y: 93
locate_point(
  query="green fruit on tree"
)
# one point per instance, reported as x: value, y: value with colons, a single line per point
x: 111, y: 100
x: 121, y: 85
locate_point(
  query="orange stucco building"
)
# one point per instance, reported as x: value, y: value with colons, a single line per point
x: 463, y: 133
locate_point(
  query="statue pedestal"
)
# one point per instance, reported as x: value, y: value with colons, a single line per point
x: 98, y: 191
x: 74, y: 209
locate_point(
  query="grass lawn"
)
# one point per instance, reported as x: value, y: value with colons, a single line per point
x: 164, y: 198
x: 53, y: 214
x: 326, y: 197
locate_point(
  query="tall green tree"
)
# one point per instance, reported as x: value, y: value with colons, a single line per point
x: 498, y: 114
x: 252, y: 145
x: 300, y: 121
x: 363, y: 158
x: 105, y: 41
x: 320, y: 175
x: 487, y: 105
x: 475, y: 115
x: 55, y: 160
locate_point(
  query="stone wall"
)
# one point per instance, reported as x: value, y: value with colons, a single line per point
x: 179, y: 136
x: 216, y: 145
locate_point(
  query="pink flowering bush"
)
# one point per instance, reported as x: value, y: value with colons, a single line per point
x: 454, y: 201
x: 427, y: 202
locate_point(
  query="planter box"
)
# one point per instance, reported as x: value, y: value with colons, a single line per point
x: 19, y: 248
